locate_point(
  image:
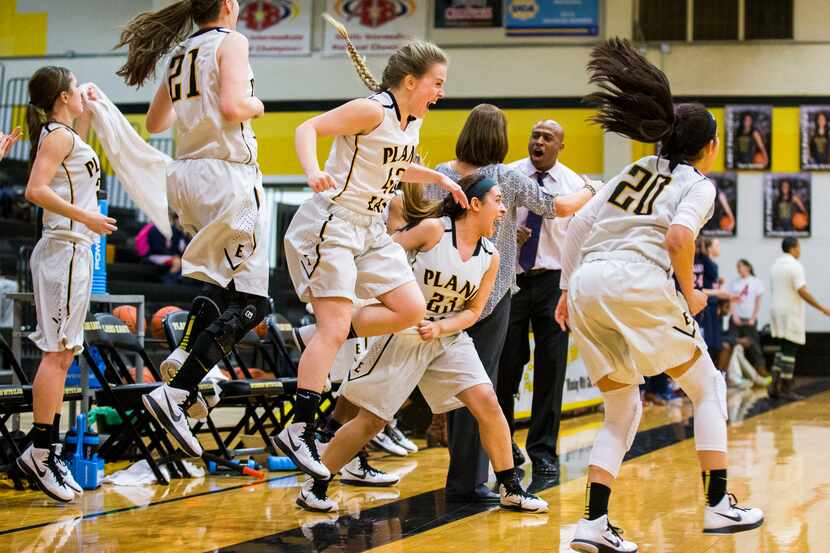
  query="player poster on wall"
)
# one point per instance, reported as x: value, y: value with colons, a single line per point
x: 468, y: 13
x: 815, y: 138
x: 724, y: 222
x: 276, y: 27
x: 787, y: 199
x: 375, y: 28
x: 748, y: 137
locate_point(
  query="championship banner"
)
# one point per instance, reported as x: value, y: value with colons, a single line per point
x: 551, y: 17
x: 724, y: 221
x: 815, y: 138
x: 376, y: 27
x: 276, y: 27
x: 579, y: 392
x: 468, y: 13
x: 787, y: 199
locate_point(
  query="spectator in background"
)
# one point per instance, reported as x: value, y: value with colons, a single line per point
x: 748, y: 291
x: 789, y: 293
x: 154, y: 248
x: 709, y: 282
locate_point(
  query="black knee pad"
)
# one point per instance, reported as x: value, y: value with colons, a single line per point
x: 222, y: 297
x: 242, y: 315
x: 203, y: 311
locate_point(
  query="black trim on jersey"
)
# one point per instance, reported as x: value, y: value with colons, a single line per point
x: 69, y: 280
x: 351, y: 168
x: 481, y: 243
x: 71, y: 187
x: 317, y: 248
x: 250, y: 152
x: 207, y: 30
x: 454, y: 245
x: 409, y: 119
x: 375, y: 364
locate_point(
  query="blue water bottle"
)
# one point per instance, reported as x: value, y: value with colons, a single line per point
x: 99, y: 248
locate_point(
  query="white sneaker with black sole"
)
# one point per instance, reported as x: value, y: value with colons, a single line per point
x: 300, y: 446
x: 360, y: 473
x: 164, y: 403
x: 519, y: 500
x: 728, y: 518
x: 41, y: 465
x: 68, y: 478
x: 599, y: 536
x: 172, y: 363
x: 312, y: 497
x: 399, y: 438
x: 385, y: 443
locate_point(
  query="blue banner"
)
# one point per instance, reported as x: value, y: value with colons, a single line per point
x: 551, y: 17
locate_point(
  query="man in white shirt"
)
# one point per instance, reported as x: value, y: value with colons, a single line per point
x: 789, y: 287
x: 537, y: 275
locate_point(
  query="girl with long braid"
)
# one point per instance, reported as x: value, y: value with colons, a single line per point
x: 336, y: 246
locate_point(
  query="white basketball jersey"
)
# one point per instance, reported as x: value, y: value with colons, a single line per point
x: 77, y: 181
x: 642, y: 202
x: 192, y: 80
x: 368, y: 167
x: 446, y: 281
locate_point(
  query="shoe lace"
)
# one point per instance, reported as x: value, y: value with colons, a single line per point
x: 308, y: 438
x: 733, y: 503
x: 52, y: 463
x: 617, y: 531
x: 363, y: 460
x: 320, y: 489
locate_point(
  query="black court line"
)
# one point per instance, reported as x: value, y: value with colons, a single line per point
x: 90, y: 516
x: 418, y: 514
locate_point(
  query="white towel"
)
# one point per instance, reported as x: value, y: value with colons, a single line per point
x: 140, y: 168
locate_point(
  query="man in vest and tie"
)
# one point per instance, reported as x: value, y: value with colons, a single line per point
x: 541, y: 242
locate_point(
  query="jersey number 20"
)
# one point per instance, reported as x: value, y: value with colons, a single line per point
x: 641, y: 193
x: 174, y: 84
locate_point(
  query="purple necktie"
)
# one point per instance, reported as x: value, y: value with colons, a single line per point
x: 527, y: 257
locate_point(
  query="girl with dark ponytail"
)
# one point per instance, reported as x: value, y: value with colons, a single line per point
x: 64, y: 179
x: 214, y: 186
x: 619, y: 297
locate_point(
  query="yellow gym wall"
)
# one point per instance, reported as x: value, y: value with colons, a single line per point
x: 583, y: 142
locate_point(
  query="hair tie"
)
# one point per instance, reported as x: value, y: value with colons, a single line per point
x: 40, y: 112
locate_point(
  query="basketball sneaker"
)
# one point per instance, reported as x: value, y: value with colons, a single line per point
x: 313, y: 496
x: 164, y: 403
x: 41, y: 465
x: 68, y: 478
x: 384, y: 443
x: 599, y: 536
x: 297, y: 441
x: 728, y: 518
x: 360, y: 473
x: 516, y: 499
x: 399, y: 438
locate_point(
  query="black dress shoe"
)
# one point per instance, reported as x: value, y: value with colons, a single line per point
x: 546, y: 467
x: 518, y: 457
x: 482, y: 494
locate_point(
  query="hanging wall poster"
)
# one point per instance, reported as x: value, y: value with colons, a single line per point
x: 276, y: 27
x: 376, y: 27
x: 815, y: 138
x: 748, y: 137
x: 467, y: 13
x: 724, y: 221
x: 787, y: 199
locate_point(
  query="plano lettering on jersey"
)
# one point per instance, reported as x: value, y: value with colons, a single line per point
x: 397, y: 154
x: 434, y: 278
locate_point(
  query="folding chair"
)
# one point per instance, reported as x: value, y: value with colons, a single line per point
x: 260, y: 398
x: 17, y: 399
x: 110, y: 336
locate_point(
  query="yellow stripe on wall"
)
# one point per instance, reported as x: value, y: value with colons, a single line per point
x: 583, y: 143
x: 21, y: 34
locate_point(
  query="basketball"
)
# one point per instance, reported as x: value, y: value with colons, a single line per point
x: 800, y: 221
x: 156, y: 326
x: 127, y: 313
x: 147, y: 375
x: 727, y: 223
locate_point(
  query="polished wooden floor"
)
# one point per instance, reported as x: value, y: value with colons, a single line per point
x: 780, y: 456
